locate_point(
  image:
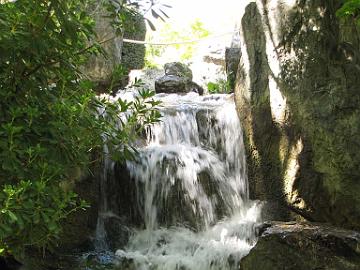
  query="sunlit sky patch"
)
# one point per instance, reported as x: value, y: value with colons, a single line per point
x: 217, y: 16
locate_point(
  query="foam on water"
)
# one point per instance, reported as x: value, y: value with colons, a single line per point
x: 192, y: 188
x: 219, y: 247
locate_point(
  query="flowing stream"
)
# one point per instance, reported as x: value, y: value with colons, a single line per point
x: 191, y: 190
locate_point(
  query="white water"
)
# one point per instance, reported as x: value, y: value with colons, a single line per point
x: 192, y: 221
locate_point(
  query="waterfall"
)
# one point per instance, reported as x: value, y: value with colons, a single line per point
x: 191, y: 189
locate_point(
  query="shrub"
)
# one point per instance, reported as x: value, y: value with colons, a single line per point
x: 50, y: 125
x: 220, y: 86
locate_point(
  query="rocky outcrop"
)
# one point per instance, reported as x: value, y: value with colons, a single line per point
x: 298, y: 99
x: 293, y: 246
x: 100, y: 68
x: 177, y: 79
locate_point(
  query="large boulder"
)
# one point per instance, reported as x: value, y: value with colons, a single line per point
x: 304, y: 246
x: 297, y: 93
x: 177, y: 79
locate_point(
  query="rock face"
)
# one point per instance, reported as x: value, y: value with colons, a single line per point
x: 99, y: 68
x: 177, y: 79
x: 298, y: 99
x: 130, y: 56
x: 292, y: 246
x: 232, y: 59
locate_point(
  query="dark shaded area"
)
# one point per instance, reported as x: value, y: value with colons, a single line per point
x: 77, y: 233
x: 9, y: 263
x: 123, y: 210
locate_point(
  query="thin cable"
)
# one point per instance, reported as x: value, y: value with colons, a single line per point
x: 176, y: 42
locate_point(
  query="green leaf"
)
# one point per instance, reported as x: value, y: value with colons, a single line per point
x: 12, y: 216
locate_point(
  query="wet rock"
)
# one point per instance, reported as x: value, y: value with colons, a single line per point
x: 172, y: 84
x: 122, y: 197
x: 147, y: 77
x: 194, y: 87
x: 126, y: 264
x: 178, y: 209
x: 304, y: 246
x: 118, y: 234
x: 211, y: 189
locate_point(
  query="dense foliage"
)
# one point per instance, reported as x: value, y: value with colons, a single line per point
x: 350, y: 9
x: 51, y: 122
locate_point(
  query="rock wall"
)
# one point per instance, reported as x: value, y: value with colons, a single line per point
x: 297, y: 92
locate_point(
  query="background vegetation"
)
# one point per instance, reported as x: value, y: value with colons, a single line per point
x: 184, y: 51
x: 218, y: 87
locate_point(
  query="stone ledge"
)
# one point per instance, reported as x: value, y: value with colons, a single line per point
x: 303, y: 246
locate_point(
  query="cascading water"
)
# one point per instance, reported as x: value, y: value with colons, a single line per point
x: 191, y: 189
